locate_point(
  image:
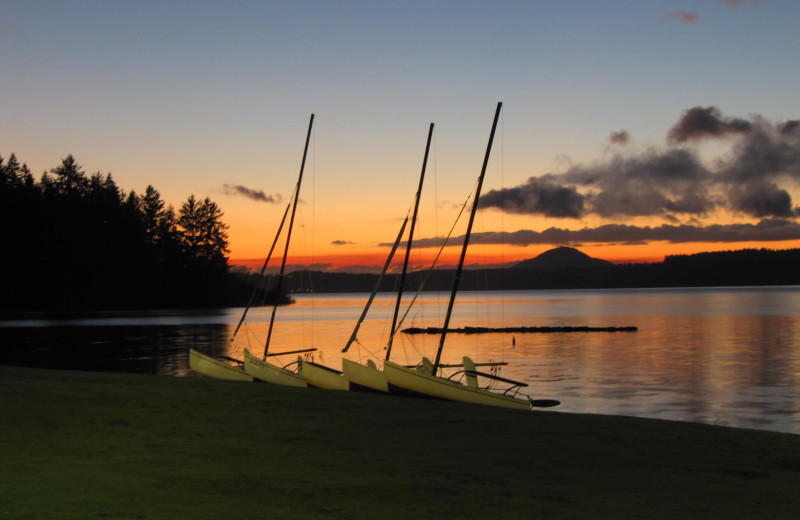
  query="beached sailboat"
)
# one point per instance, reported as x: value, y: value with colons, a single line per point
x: 261, y: 369
x: 253, y: 368
x: 354, y: 375
x: 227, y: 368
x: 424, y: 380
x: 320, y: 376
x: 368, y: 376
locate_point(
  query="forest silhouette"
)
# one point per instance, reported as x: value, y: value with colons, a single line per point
x: 75, y: 242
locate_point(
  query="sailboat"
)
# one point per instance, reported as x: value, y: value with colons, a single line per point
x: 369, y: 376
x: 355, y: 375
x: 225, y: 368
x: 320, y: 376
x: 424, y: 380
x: 253, y: 368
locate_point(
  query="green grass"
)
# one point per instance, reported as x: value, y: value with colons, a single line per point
x: 78, y: 445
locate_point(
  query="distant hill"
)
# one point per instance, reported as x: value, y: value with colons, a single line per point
x: 561, y: 258
x: 567, y: 268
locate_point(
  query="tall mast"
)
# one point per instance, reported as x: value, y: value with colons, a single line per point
x: 354, y: 335
x: 408, y: 245
x: 261, y: 274
x: 289, y: 234
x: 466, y: 241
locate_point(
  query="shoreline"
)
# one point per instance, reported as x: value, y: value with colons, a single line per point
x: 85, y: 444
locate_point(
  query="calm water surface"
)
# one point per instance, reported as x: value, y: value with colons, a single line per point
x: 728, y: 356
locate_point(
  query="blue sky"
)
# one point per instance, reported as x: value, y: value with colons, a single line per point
x: 190, y: 95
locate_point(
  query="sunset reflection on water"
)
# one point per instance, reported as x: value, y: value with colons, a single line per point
x: 717, y: 356
x: 728, y: 356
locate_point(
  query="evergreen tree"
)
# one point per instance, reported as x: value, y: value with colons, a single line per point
x: 27, y: 179
x: 158, y: 221
x: 190, y: 228
x: 204, y: 244
x: 48, y: 186
x: 215, y: 236
x: 203, y: 233
x: 103, y: 191
x: 70, y: 178
x: 10, y: 173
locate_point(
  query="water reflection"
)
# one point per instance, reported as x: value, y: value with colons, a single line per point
x: 717, y: 356
x: 148, y: 343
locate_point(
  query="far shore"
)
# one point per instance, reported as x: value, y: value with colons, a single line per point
x: 90, y: 445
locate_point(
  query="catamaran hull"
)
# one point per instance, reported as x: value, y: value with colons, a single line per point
x: 270, y: 373
x: 319, y: 376
x: 421, y: 383
x: 208, y: 366
x: 364, y: 377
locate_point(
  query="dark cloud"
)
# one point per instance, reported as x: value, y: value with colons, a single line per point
x: 751, y: 180
x: 685, y: 17
x: 767, y: 230
x: 767, y: 154
x: 256, y: 195
x: 651, y: 183
x: 762, y: 199
x: 436, y: 242
x: 700, y: 123
x: 537, y: 197
x: 652, y: 166
x: 341, y: 243
x: 622, y: 137
x: 789, y: 127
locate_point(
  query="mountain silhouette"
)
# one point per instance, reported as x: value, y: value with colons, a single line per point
x: 567, y: 268
x: 560, y: 258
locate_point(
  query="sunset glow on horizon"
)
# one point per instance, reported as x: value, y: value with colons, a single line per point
x: 630, y: 131
x: 373, y: 262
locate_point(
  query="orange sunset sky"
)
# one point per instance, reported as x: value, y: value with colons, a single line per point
x: 630, y: 130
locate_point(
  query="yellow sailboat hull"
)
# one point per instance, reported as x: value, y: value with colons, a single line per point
x: 270, y: 373
x: 364, y: 376
x: 208, y: 366
x: 319, y: 376
x: 424, y: 383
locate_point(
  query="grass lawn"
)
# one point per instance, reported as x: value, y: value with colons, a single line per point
x: 78, y: 445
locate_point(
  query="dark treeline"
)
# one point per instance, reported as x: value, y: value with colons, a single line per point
x: 74, y: 242
x: 730, y: 268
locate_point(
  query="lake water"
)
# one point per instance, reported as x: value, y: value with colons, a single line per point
x: 727, y: 356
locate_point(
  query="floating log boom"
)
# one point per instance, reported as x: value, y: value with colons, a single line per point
x: 486, y: 330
